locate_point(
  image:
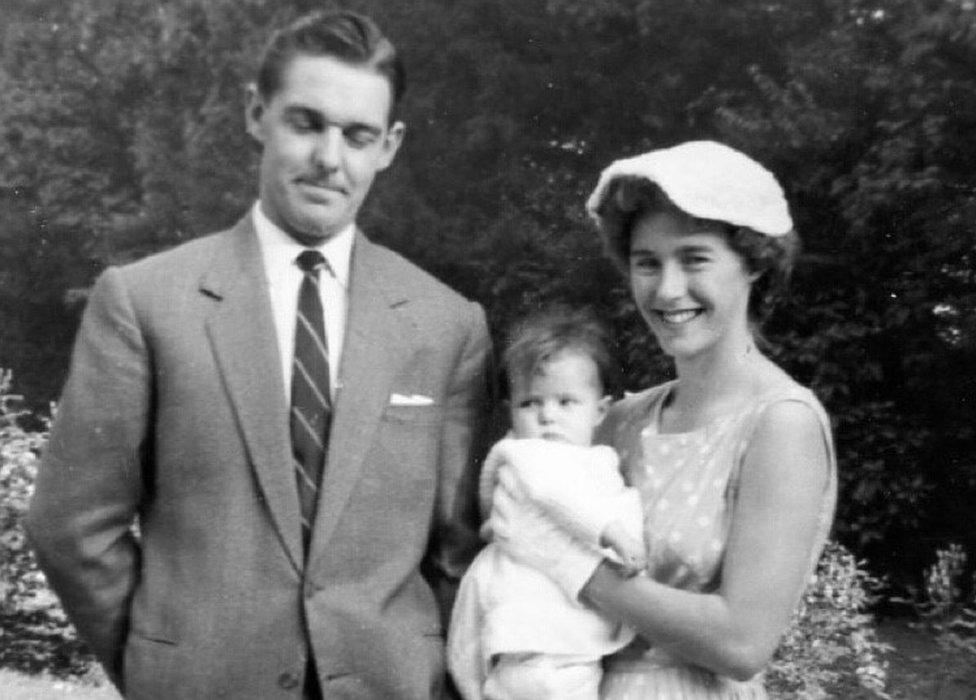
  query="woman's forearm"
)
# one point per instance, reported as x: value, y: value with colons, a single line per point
x: 698, y: 628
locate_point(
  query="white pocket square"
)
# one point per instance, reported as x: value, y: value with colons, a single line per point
x: 410, y: 400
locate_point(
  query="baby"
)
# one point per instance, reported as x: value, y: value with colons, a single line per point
x: 515, y: 633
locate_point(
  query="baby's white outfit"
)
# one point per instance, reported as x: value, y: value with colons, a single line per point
x: 509, y: 619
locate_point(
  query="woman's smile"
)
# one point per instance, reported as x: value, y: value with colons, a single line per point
x: 679, y: 317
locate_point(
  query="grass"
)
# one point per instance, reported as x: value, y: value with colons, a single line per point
x: 922, y: 668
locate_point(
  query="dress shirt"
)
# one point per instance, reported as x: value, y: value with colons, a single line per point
x: 279, y: 252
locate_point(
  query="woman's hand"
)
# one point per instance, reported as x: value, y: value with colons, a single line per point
x: 530, y: 538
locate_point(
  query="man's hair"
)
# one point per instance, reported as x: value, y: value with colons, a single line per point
x: 346, y: 36
x: 542, y: 335
x: 771, y: 257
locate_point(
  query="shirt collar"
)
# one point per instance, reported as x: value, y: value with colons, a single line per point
x: 280, y: 249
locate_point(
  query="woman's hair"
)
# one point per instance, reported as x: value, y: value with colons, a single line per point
x: 770, y: 257
x: 542, y: 335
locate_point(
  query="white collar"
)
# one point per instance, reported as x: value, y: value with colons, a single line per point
x: 280, y: 249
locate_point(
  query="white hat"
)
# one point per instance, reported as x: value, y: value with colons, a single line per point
x: 707, y: 180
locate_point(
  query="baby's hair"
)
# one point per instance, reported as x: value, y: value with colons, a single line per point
x: 541, y: 335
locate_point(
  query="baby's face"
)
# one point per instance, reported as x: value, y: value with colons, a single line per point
x: 562, y: 401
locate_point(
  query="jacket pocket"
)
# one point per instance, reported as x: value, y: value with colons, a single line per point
x: 423, y: 415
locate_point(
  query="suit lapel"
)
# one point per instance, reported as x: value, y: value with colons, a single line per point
x: 243, y: 335
x: 378, y: 338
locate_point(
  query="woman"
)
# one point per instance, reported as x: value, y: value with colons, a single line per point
x: 733, y: 459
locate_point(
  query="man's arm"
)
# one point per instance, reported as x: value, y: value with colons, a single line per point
x: 90, y: 481
x: 454, y: 539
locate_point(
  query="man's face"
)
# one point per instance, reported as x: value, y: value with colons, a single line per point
x: 324, y: 134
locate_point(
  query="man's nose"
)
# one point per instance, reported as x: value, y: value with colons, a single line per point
x: 327, y: 153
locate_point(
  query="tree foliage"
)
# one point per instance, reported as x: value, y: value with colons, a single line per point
x: 121, y: 133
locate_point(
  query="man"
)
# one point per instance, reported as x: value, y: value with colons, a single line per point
x: 294, y: 434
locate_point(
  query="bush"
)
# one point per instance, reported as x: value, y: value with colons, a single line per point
x: 945, y: 607
x: 34, y: 632
x: 831, y: 649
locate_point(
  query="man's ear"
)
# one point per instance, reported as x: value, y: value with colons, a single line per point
x: 391, y: 143
x: 254, y: 109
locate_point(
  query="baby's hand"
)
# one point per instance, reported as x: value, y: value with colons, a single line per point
x: 629, y: 550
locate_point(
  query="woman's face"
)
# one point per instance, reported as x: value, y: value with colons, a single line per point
x: 691, y: 288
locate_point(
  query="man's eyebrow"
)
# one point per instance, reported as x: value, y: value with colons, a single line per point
x: 301, y: 110
x: 362, y: 126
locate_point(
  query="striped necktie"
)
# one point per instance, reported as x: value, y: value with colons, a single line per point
x: 311, y: 405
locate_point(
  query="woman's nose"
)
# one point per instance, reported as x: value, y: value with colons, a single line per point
x: 672, y: 282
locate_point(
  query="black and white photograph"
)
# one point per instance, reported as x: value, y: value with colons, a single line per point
x: 488, y: 349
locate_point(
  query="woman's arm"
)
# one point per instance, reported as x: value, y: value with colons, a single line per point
x: 735, y: 630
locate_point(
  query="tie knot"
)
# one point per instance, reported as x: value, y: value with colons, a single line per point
x: 310, y: 260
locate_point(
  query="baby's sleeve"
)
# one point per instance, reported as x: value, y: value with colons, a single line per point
x: 486, y: 480
x: 580, y: 488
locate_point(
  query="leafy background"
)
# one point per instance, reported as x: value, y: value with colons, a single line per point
x: 121, y: 133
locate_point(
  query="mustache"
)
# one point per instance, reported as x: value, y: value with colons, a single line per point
x: 322, y: 181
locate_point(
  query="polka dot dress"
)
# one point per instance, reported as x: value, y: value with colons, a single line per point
x: 687, y: 483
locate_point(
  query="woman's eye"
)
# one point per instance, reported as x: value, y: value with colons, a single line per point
x: 645, y: 264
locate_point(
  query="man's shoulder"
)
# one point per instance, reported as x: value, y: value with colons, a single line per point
x: 413, y: 280
x: 188, y: 257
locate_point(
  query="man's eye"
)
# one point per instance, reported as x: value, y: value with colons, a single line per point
x: 360, y: 137
x: 302, y: 122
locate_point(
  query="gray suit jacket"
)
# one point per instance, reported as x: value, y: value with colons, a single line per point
x: 174, y: 414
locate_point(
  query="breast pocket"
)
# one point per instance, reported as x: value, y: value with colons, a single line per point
x: 410, y: 436
x: 413, y: 415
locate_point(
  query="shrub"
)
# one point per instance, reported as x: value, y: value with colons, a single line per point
x: 34, y: 632
x: 831, y: 649
x: 944, y: 606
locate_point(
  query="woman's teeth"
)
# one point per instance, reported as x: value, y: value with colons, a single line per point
x: 678, y: 317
